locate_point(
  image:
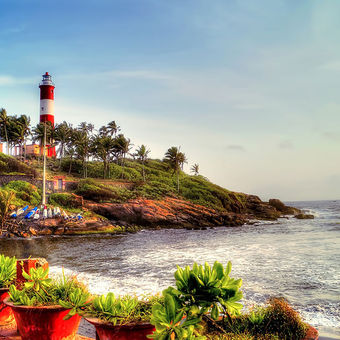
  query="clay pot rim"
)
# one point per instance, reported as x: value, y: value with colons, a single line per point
x: 22, y: 307
x: 4, y: 290
x: 99, y: 322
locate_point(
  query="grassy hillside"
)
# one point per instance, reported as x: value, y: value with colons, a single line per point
x: 125, y: 182
x: 11, y: 166
x: 160, y: 182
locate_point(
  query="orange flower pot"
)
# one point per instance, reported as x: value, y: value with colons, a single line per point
x: 44, y: 322
x: 6, y: 315
x: 107, y: 331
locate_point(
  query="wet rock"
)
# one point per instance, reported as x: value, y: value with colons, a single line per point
x: 304, y: 216
x: 169, y: 212
x: 33, y: 231
x: 280, y: 206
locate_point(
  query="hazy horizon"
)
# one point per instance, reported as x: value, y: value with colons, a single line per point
x: 248, y: 90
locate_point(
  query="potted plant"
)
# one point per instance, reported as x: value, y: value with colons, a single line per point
x: 47, y: 309
x: 123, y: 317
x: 7, y: 277
x: 207, y: 296
x: 201, y: 292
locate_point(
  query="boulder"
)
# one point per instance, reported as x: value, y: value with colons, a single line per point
x: 280, y: 206
x: 304, y: 216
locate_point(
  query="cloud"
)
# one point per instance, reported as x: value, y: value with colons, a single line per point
x: 12, y: 30
x: 6, y: 80
x: 236, y: 147
x: 331, y: 135
x: 286, y: 145
x: 128, y: 74
x: 331, y: 66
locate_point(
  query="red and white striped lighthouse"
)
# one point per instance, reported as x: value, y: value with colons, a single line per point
x: 47, y: 105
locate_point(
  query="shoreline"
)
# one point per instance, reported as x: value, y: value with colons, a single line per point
x: 137, y: 214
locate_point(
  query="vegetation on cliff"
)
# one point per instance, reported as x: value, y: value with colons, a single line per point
x: 109, y: 177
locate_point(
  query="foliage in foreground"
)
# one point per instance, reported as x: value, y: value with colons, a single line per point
x: 8, y: 270
x: 39, y: 290
x: 122, y: 310
x: 200, y: 290
x: 276, y: 321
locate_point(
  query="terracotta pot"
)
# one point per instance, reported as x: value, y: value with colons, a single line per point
x: 44, y: 322
x: 6, y: 315
x: 107, y: 331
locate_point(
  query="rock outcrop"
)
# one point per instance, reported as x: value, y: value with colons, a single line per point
x: 302, y: 216
x: 168, y: 212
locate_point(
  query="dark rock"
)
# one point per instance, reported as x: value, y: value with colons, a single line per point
x: 304, y: 216
x: 280, y: 206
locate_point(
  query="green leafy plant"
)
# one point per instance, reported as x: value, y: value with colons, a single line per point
x: 200, y: 290
x: 8, y: 270
x: 39, y: 290
x: 173, y: 322
x: 122, y: 309
x: 209, y: 289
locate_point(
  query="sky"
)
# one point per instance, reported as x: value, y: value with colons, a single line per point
x: 248, y: 89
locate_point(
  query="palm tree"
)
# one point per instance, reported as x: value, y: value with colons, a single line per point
x: 142, y: 154
x: 112, y: 128
x: 4, y: 123
x: 22, y: 131
x: 70, y: 150
x: 176, y: 159
x: 82, y: 142
x: 102, y: 146
x: 62, y: 135
x: 195, y: 169
x: 38, y: 133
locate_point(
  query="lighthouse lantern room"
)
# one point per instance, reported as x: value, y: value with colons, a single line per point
x: 47, y: 105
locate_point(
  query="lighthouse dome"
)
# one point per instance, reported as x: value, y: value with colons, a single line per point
x: 46, y: 79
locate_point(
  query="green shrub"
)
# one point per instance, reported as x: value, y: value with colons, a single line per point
x: 276, y: 321
x: 65, y: 200
x: 25, y: 193
x: 282, y: 320
x: 9, y: 164
x: 90, y: 189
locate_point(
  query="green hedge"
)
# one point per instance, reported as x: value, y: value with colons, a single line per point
x: 25, y: 193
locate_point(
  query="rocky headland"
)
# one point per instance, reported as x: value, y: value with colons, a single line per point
x: 168, y: 212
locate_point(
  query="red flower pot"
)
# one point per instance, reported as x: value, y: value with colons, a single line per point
x: 107, y: 331
x: 6, y: 315
x: 44, y: 322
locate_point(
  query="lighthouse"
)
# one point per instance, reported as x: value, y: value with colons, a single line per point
x: 47, y: 105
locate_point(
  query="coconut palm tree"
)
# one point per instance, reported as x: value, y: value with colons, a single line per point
x: 142, y: 154
x: 112, y: 128
x: 195, y: 169
x: 62, y: 135
x: 101, y: 146
x: 4, y: 123
x: 70, y: 149
x: 175, y: 159
x: 21, y: 130
x: 38, y: 133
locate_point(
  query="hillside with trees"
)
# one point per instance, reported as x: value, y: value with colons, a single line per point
x: 118, y: 181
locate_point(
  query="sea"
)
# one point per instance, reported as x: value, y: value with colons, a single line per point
x: 291, y: 258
